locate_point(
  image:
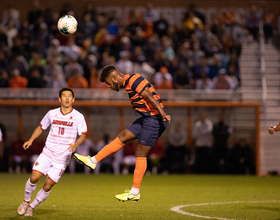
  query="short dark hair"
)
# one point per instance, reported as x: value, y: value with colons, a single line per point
x: 65, y: 89
x: 106, y: 72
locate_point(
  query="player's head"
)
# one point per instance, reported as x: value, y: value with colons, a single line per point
x: 66, y: 97
x: 66, y: 89
x: 112, y: 77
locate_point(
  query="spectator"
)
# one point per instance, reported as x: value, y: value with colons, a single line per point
x: 241, y: 158
x: 36, y: 80
x: 252, y: 22
x: 124, y: 65
x: 54, y: 50
x: 20, y: 63
x: 3, y: 36
x: 76, y: 80
x: 11, y: 13
x: 192, y: 22
x: 71, y: 65
x: 52, y: 67
x: 223, y: 81
x: 17, y: 81
x: 35, y: 12
x: 11, y: 32
x: 176, y: 150
x: 201, y: 68
x: 234, y: 75
x: 217, y: 28
x: 215, y: 66
x: 182, y: 78
x: 18, y: 157
x: 167, y: 48
x: 155, y: 157
x: 56, y: 81
x: 221, y: 132
x: 162, y: 75
x: 202, y: 135
x: 151, y: 14
x: 161, y: 26
x: 204, y: 83
x: 4, y: 62
x: 165, y: 84
x: 87, y: 26
x: 113, y: 24
x: 197, y: 54
x: 268, y: 18
x: 192, y: 8
x: 4, y: 81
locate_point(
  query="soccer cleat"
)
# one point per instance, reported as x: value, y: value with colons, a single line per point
x: 29, y: 211
x: 22, y: 208
x: 127, y: 196
x: 85, y: 160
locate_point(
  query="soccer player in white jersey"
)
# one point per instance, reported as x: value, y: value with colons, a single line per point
x: 66, y: 123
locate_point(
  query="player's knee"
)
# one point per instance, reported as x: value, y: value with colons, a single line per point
x: 34, y: 179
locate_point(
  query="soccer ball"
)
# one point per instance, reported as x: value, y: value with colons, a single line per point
x: 67, y: 25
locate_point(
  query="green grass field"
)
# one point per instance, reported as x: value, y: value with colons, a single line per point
x: 92, y: 197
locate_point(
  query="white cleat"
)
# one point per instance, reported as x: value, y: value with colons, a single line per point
x: 22, y: 208
x: 29, y: 211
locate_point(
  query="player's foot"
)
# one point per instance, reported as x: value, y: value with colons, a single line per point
x: 22, y: 208
x: 127, y: 196
x: 85, y: 160
x: 29, y: 211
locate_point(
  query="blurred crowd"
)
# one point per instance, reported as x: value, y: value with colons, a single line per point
x: 210, y: 151
x: 194, y: 54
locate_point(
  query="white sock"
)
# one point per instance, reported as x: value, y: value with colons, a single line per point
x: 40, y: 197
x: 134, y: 191
x: 29, y: 188
x: 93, y: 160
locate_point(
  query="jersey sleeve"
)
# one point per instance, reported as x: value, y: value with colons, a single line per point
x: 82, y: 126
x: 46, y: 121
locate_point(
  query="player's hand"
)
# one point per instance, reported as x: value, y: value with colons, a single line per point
x: 27, y: 144
x: 167, y: 117
x: 72, y: 148
x: 271, y: 129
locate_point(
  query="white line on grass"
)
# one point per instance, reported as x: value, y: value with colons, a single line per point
x: 178, y: 208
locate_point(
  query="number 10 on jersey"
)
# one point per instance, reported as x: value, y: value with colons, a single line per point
x: 61, y: 131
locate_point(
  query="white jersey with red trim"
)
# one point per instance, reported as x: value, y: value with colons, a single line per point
x: 63, y: 131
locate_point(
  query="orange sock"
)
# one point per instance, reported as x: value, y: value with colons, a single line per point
x: 140, y: 169
x: 113, y: 147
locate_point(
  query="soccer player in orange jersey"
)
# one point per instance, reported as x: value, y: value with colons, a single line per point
x: 147, y: 129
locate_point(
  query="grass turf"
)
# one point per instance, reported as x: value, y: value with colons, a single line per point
x: 92, y: 197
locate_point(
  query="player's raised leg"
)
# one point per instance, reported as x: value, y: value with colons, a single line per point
x: 112, y: 147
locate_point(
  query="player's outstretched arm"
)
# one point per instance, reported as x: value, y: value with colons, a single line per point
x: 148, y: 96
x: 35, y: 134
x: 81, y: 139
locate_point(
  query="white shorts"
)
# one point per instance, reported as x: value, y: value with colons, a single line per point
x: 46, y: 166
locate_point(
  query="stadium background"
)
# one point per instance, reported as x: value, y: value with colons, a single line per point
x: 245, y: 109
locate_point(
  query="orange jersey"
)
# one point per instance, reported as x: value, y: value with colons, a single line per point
x: 134, y: 85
